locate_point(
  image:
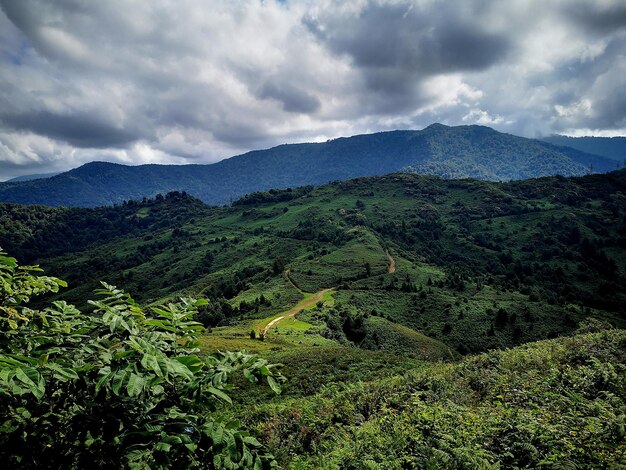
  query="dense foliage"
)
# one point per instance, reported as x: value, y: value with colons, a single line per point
x: 48, y: 231
x: 464, y: 151
x: 393, y: 279
x: 554, y: 404
x: 122, y: 387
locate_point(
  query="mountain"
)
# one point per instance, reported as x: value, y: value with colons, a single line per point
x: 37, y: 176
x: 509, y: 262
x: 613, y: 148
x: 451, y: 152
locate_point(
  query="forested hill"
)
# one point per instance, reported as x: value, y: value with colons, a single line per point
x: 507, y: 262
x: 609, y: 147
x: 40, y: 232
x: 450, y: 152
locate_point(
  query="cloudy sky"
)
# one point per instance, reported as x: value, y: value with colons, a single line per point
x: 191, y: 81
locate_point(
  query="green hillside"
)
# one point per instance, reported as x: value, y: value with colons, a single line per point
x: 414, y: 318
x: 450, y: 152
x: 477, y: 265
x: 553, y: 404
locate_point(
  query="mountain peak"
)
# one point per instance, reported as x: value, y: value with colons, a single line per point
x: 436, y: 126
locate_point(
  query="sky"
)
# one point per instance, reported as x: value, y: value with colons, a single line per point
x: 196, y: 81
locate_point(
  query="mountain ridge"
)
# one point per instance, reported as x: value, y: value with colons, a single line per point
x: 450, y: 152
x: 31, y: 177
x: 613, y: 148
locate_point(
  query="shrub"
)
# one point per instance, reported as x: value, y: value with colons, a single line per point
x: 122, y: 387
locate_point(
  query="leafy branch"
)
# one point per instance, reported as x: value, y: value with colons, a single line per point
x: 123, y: 386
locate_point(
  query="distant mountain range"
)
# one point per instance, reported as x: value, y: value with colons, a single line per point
x: 610, y: 147
x: 451, y: 152
x: 36, y: 176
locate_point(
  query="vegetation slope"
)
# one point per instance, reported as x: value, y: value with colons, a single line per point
x: 478, y: 265
x: 552, y: 404
x: 408, y: 273
x: 609, y: 147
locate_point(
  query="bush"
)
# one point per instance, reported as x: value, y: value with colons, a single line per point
x: 122, y: 387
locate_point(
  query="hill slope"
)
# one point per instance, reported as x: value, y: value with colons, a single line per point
x: 451, y: 152
x: 478, y: 265
x: 552, y: 404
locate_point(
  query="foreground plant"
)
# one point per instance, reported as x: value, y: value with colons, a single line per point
x: 122, y: 386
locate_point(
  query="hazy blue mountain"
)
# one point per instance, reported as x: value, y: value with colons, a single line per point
x: 451, y: 152
x: 37, y: 176
x: 609, y: 147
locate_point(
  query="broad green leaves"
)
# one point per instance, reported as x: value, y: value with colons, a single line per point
x: 122, y: 386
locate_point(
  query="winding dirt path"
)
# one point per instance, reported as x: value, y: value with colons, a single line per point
x: 392, y: 263
x: 288, y: 279
x: 315, y: 298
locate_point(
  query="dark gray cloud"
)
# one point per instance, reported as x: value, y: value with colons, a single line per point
x: 79, y: 129
x: 293, y: 99
x: 598, y: 17
x: 397, y: 46
x: 400, y: 36
x: 179, y: 81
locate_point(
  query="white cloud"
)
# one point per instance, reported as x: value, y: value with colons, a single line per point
x: 478, y: 116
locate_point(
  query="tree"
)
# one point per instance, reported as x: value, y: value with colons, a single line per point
x: 502, y: 318
x: 122, y: 387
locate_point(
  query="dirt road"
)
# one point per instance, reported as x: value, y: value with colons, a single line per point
x: 315, y: 298
x: 392, y: 263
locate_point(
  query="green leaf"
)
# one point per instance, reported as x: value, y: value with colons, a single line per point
x: 274, y: 385
x: 32, y: 379
x: 150, y: 362
x: 252, y: 441
x: 43, y: 359
x: 247, y: 373
x: 89, y: 440
x: 118, y: 380
x: 62, y: 373
x: 177, y: 368
x: 104, y: 378
x: 163, y: 446
x: 220, y: 394
x: 135, y: 385
x: 193, y: 363
x: 217, y: 436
